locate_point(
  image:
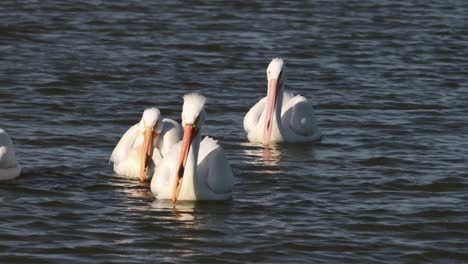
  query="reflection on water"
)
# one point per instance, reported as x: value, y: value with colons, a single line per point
x: 389, y: 96
x: 132, y: 187
x: 195, y: 215
x: 271, y: 156
x: 183, y: 211
x: 260, y: 155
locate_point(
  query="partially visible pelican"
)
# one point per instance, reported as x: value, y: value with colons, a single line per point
x: 9, y: 168
x: 281, y: 116
x: 193, y: 169
x: 151, y: 139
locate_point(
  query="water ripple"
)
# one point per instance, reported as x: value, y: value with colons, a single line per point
x: 387, y: 183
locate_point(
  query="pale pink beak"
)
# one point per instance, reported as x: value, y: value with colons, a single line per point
x: 146, y: 152
x: 272, y: 96
x: 189, y: 134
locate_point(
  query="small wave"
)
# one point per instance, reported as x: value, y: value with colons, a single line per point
x: 386, y: 161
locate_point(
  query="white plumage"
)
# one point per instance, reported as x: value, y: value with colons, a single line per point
x: 194, y: 104
x: 9, y: 167
x: 281, y: 116
x: 127, y: 155
x: 207, y: 174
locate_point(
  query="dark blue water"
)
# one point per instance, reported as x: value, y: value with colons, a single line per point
x: 387, y: 183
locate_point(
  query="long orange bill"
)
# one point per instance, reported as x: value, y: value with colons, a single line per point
x: 189, y: 133
x: 272, y: 96
x: 146, y: 152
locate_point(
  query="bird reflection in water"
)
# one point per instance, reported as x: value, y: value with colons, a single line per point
x: 207, y: 213
x: 129, y: 188
x: 184, y: 211
x: 270, y: 156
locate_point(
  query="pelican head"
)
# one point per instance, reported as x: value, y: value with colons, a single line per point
x: 276, y: 71
x: 150, y: 127
x: 193, y: 117
x: 193, y: 112
x: 150, y: 119
x: 276, y: 77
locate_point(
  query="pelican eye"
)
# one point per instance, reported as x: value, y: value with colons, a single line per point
x: 155, y: 125
x: 195, y: 124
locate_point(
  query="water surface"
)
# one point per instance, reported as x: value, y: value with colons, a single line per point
x: 387, y: 183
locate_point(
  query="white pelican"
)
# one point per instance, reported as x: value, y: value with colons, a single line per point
x: 151, y: 137
x: 193, y: 169
x: 9, y: 168
x: 280, y: 116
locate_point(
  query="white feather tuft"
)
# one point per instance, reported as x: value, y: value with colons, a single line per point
x: 193, y: 106
x: 274, y: 68
x: 150, y: 117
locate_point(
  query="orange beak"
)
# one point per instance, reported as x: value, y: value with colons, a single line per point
x: 272, y: 96
x: 189, y: 134
x: 146, y: 152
